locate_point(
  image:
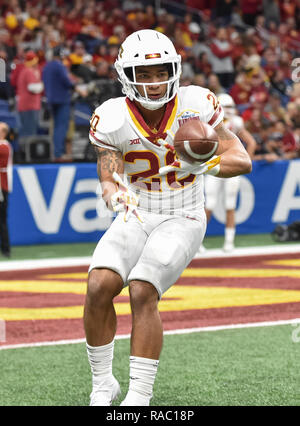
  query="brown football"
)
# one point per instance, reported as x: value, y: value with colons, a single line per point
x: 195, y: 141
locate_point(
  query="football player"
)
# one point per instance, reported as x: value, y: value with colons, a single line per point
x: 161, y: 220
x: 227, y: 188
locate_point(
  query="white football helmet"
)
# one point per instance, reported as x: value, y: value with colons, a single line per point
x: 143, y: 48
x: 228, y: 104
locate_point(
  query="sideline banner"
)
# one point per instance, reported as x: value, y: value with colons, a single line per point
x: 270, y: 194
x: 53, y: 203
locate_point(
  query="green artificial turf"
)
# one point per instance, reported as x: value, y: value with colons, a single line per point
x: 48, y: 251
x: 256, y: 366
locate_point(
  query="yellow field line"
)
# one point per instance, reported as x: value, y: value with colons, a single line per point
x: 240, y: 273
x: 185, y: 298
x: 218, y: 272
x: 284, y: 262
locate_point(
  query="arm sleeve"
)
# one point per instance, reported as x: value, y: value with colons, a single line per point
x: 219, y: 52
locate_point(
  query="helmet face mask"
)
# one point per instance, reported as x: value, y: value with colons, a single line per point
x: 146, y: 48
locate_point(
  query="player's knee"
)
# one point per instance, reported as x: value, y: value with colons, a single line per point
x: 143, y: 296
x: 103, y: 286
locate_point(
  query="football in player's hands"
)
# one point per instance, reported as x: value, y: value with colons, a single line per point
x: 195, y: 141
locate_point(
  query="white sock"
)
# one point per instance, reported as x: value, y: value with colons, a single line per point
x: 142, y: 376
x: 100, y: 359
x: 229, y: 235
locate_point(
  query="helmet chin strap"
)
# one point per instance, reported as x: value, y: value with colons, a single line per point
x: 152, y: 107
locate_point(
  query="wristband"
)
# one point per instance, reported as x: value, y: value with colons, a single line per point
x: 213, y: 166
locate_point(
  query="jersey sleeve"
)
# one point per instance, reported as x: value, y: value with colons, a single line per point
x: 104, y: 125
x: 203, y: 102
x: 100, y: 139
x: 212, y: 111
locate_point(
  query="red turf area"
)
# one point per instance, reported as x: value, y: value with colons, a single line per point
x: 57, y: 329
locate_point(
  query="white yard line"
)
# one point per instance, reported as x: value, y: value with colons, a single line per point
x: 85, y: 261
x: 16, y: 265
x: 251, y: 251
x: 294, y: 321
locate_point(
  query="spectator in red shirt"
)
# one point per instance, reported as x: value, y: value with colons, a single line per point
x: 241, y: 90
x: 29, y: 91
x: 238, y: 47
x: 200, y: 4
x: 72, y: 24
x: 5, y: 187
x: 203, y: 65
x: 250, y: 10
x: 270, y: 61
x: 221, y: 59
x: 17, y: 65
x: 258, y: 95
x: 291, y: 147
x: 287, y: 9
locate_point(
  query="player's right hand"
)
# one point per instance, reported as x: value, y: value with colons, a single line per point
x: 125, y: 200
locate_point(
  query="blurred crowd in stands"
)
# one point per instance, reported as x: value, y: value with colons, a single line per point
x: 247, y: 48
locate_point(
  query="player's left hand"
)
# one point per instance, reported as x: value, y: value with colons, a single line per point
x: 211, y: 167
x: 168, y: 143
x: 125, y: 200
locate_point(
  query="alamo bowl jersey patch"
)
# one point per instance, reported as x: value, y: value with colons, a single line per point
x: 186, y: 116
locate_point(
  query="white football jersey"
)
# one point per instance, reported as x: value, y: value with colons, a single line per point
x: 117, y: 124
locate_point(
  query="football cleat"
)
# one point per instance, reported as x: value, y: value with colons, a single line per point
x: 135, y: 399
x: 104, y: 393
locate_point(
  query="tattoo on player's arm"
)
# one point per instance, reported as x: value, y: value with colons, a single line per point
x: 108, y: 161
x: 223, y: 133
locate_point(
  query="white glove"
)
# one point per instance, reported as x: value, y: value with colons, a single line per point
x: 211, y: 167
x: 125, y: 200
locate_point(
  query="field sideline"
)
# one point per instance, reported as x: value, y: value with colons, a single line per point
x: 52, y: 261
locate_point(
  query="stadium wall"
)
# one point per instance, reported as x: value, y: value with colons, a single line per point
x: 53, y: 203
